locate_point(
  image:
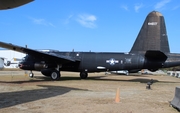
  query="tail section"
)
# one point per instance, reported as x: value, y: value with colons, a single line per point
x: 153, y: 35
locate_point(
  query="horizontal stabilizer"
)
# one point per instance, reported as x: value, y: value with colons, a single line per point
x: 155, y: 55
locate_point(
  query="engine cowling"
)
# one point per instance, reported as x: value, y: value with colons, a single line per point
x: 39, y: 66
x: 36, y: 66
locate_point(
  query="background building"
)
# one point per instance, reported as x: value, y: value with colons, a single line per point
x: 10, y: 58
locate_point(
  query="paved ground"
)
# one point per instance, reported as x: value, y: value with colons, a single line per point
x: 19, y: 93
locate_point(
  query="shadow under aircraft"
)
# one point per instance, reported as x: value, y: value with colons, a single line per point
x: 150, y: 51
x: 8, y: 99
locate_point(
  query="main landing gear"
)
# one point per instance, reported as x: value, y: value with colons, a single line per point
x: 83, y: 75
x: 55, y: 75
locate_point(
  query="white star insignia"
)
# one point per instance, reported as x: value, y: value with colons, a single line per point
x: 112, y: 61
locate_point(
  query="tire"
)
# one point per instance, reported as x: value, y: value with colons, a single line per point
x: 31, y: 75
x: 55, y: 75
x: 83, y: 75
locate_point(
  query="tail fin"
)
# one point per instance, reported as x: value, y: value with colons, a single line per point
x: 153, y: 35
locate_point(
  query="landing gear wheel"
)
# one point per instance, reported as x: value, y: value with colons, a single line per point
x: 55, y: 75
x: 31, y: 75
x: 83, y: 75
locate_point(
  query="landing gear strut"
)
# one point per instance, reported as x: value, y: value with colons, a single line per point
x: 83, y: 75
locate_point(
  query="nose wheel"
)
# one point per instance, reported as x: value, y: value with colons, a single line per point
x: 31, y: 74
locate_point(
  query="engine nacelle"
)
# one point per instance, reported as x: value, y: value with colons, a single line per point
x: 39, y: 66
x: 36, y: 66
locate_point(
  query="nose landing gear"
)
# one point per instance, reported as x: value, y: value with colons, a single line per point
x: 31, y: 74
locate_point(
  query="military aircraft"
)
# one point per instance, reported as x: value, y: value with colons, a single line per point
x: 150, y: 51
x: 9, y: 4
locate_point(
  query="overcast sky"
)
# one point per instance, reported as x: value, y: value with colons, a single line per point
x: 84, y: 25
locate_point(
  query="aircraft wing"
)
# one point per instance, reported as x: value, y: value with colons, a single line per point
x: 39, y: 54
x: 8, y: 4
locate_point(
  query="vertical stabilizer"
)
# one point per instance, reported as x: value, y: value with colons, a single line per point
x: 153, y: 35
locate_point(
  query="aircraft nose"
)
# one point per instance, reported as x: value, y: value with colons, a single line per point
x: 20, y: 65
